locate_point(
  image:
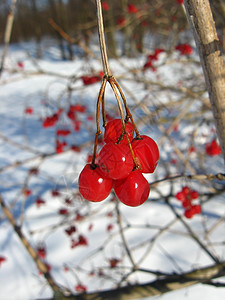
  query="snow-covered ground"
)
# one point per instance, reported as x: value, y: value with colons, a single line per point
x: 171, y: 106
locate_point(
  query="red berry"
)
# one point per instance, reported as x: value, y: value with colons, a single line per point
x: 113, y: 131
x: 29, y: 110
x: 158, y: 51
x: 213, y: 148
x: 197, y: 209
x: 132, y: 9
x: 63, y: 211
x: 115, y: 161
x: 186, y: 204
x: 41, y: 252
x: 105, y: 6
x: 134, y: 190
x: 70, y: 230
x: 63, y: 132
x: 189, y: 213
x: 80, y: 288
x: 55, y: 193
x: 60, y: 146
x: 194, y: 194
x: 186, y: 190
x: 78, y: 108
x: 39, y: 202
x: 148, y: 64
x: 75, y: 148
x: 87, y: 80
x: 121, y: 21
x: 20, y: 65
x: 114, y: 262
x: 82, y: 241
x: 27, y: 192
x: 2, y: 259
x: 147, y: 153
x: 109, y: 227
x: 180, y: 196
x: 50, y: 121
x: 184, y: 49
x: 101, y: 74
x: 71, y: 115
x: 92, y: 185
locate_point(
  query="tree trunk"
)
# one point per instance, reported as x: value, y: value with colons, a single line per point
x: 201, y: 20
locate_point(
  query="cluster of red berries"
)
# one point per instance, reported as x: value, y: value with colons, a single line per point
x: 91, y: 79
x: 186, y: 196
x: 184, y: 49
x: 73, y: 114
x: 152, y: 58
x: 131, y: 8
x: 116, y: 168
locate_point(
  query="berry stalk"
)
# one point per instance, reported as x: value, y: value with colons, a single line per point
x: 104, y: 55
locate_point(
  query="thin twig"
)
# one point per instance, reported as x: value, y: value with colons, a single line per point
x: 39, y: 263
x: 124, y: 239
x: 219, y: 176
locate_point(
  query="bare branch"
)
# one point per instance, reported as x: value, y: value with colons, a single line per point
x: 201, y: 20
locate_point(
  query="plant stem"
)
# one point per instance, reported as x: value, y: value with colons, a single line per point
x: 102, y: 39
x: 203, y: 26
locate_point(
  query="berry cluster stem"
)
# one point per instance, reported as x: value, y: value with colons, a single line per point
x: 115, y: 87
x: 99, y: 101
x: 128, y: 113
x: 102, y: 39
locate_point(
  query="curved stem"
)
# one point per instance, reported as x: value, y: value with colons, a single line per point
x: 98, y: 132
x: 112, y: 83
x: 129, y: 115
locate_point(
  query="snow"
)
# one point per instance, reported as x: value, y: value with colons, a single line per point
x: 156, y: 238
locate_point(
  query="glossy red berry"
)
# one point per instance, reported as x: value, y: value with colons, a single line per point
x: 194, y: 194
x: 113, y: 131
x: 92, y: 185
x: 133, y: 190
x: 147, y: 153
x: 180, y: 196
x: 115, y: 160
